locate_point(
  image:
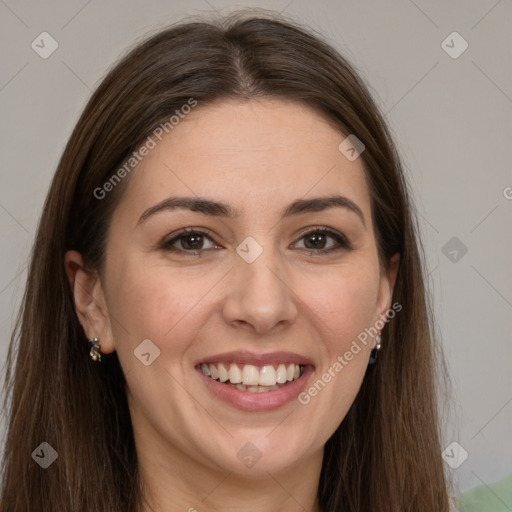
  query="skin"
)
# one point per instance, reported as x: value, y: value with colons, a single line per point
x: 257, y: 156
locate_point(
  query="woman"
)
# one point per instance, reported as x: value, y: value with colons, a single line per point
x: 225, y: 307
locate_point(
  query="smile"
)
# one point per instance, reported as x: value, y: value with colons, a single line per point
x: 255, y: 382
x: 251, y: 378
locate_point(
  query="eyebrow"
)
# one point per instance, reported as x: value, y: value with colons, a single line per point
x: 218, y: 209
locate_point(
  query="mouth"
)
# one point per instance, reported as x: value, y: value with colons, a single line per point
x: 255, y: 382
x: 251, y: 378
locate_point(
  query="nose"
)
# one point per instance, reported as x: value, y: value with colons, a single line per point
x: 261, y: 297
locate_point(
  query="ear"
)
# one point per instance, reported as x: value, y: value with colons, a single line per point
x: 89, y: 301
x: 386, y: 287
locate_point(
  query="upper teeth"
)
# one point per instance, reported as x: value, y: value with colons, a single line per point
x: 251, y: 375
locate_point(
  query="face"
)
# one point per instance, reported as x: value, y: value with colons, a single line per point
x: 260, y: 296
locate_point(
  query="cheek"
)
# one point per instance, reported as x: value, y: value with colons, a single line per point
x: 156, y: 303
x: 168, y: 308
x: 344, y: 306
x: 343, y: 302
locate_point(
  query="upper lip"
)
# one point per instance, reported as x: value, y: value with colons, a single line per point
x: 245, y: 357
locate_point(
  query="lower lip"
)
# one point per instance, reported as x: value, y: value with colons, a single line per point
x: 254, y: 402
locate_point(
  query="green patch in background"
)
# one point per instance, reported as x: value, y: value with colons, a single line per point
x: 496, y: 497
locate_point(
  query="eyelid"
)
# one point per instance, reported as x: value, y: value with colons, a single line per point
x: 167, y: 242
x: 321, y: 228
x: 341, y: 239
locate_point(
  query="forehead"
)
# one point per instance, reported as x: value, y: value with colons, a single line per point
x: 257, y: 153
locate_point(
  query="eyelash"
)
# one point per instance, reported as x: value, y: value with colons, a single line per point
x: 344, y: 244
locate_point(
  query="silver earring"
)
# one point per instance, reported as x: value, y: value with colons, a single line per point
x: 373, y: 354
x: 95, y: 353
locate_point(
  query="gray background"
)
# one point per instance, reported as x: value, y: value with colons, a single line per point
x: 451, y: 117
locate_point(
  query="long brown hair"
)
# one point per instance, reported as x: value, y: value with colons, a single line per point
x: 385, y: 456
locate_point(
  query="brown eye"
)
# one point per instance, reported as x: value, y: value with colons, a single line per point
x: 316, y: 240
x: 189, y: 240
x: 192, y: 241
